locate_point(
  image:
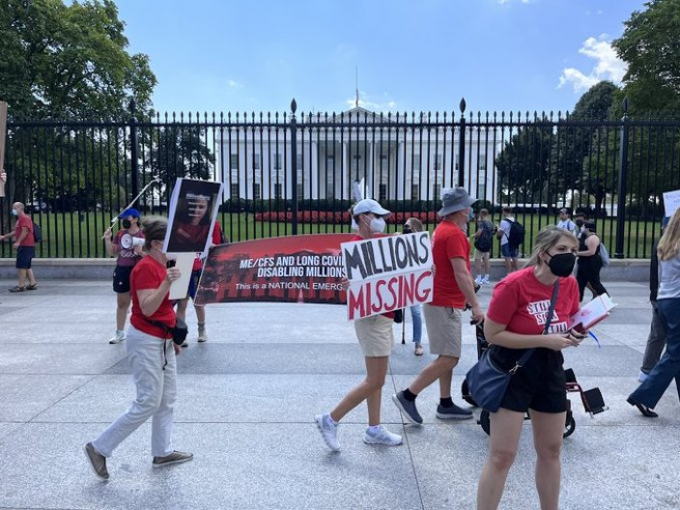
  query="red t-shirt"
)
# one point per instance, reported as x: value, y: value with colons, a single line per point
x: 149, y: 274
x: 448, y: 242
x: 357, y: 237
x: 24, y: 221
x: 126, y: 256
x: 216, y: 239
x: 521, y: 302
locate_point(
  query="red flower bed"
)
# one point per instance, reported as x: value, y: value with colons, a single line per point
x: 339, y: 218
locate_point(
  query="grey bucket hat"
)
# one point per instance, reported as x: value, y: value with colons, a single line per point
x: 454, y: 200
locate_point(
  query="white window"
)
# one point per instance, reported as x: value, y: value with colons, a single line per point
x: 438, y: 161
x: 382, y: 192
x: 233, y: 161
x: 277, y: 161
x: 415, y: 191
x: 481, y: 183
x: 416, y: 163
x: 233, y: 192
x: 300, y: 190
x: 278, y: 190
x: 257, y: 191
x: 256, y: 162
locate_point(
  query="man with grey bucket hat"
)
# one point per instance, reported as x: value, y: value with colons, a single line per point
x: 453, y: 289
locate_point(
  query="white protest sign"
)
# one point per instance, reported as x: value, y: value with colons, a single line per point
x: 387, y: 273
x: 671, y: 202
x: 184, y: 262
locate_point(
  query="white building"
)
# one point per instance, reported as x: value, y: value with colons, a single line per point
x: 403, y: 161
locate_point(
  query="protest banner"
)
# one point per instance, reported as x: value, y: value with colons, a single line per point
x: 671, y: 202
x: 193, y: 210
x: 387, y: 273
x: 306, y: 268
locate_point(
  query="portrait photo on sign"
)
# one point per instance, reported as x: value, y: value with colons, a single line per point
x: 193, y: 209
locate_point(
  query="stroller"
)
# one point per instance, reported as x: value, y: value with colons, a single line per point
x: 592, y: 399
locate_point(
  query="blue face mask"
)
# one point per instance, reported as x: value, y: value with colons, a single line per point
x: 471, y: 215
x: 15, y: 212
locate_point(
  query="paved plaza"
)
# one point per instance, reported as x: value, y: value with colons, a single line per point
x: 246, y: 406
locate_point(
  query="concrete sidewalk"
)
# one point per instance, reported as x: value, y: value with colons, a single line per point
x: 247, y: 400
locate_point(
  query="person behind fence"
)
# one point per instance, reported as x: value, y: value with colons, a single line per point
x: 483, y: 245
x: 196, y: 271
x: 517, y: 320
x: 656, y: 340
x: 376, y: 339
x: 24, y: 244
x: 565, y: 222
x: 589, y: 261
x: 410, y: 226
x: 648, y: 394
x: 453, y: 288
x: 151, y: 353
x: 509, y: 251
x: 127, y: 246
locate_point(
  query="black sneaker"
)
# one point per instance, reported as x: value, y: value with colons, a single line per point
x: 453, y: 413
x: 408, y: 409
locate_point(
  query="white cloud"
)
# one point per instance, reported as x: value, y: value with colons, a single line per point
x: 608, y: 66
x: 379, y: 104
x: 503, y: 2
x: 233, y: 84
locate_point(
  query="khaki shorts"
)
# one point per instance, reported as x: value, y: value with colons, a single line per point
x: 444, y: 330
x: 375, y: 335
x: 482, y: 255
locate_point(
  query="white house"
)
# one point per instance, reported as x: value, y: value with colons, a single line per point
x: 398, y: 158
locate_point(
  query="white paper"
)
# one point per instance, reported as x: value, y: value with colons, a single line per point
x: 593, y: 312
x: 185, y: 263
x: 671, y: 202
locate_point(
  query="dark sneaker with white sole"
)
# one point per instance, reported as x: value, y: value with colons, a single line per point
x: 453, y: 413
x: 408, y: 409
x: 174, y: 458
x: 97, y: 461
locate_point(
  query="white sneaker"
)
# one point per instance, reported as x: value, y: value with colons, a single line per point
x: 328, y: 430
x: 118, y: 337
x: 478, y: 280
x: 202, y: 335
x: 381, y: 436
x: 485, y: 280
x: 642, y: 377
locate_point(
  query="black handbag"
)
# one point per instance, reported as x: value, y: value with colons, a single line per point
x: 487, y: 383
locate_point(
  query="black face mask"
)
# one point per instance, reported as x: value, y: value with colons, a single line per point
x: 127, y: 223
x: 407, y: 230
x: 562, y: 264
x: 579, y: 223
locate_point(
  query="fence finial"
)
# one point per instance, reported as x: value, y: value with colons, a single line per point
x: 462, y: 106
x: 293, y: 106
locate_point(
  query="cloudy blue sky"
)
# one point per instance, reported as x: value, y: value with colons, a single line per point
x: 411, y: 55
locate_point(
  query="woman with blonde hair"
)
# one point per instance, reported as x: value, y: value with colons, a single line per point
x: 648, y: 394
x: 411, y: 226
x: 520, y: 318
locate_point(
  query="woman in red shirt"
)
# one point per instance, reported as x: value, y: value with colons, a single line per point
x: 515, y: 322
x: 376, y: 339
x: 152, y: 357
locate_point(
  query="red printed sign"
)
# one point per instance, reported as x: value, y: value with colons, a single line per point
x: 387, y: 273
x: 305, y: 268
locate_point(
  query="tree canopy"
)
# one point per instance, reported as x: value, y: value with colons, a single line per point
x: 69, y: 61
x: 650, y: 45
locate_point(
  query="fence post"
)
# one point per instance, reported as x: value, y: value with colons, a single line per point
x: 623, y: 184
x: 461, y: 145
x: 134, y: 167
x: 293, y: 157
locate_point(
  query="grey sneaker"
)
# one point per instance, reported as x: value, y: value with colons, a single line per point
x: 408, y: 409
x: 174, y: 458
x: 202, y: 335
x: 381, y: 436
x: 97, y: 461
x: 118, y: 337
x: 453, y: 413
x: 328, y: 430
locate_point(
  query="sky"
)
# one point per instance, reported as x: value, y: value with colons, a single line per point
x: 408, y: 55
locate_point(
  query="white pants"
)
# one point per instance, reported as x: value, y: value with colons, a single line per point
x: 156, y: 394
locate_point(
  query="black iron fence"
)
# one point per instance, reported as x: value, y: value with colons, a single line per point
x: 297, y: 173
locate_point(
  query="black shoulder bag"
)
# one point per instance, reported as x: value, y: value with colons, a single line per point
x: 488, y: 383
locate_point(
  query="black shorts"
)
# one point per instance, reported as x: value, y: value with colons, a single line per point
x: 121, y: 279
x: 539, y: 385
x: 25, y: 255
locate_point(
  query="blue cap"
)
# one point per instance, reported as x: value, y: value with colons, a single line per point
x: 129, y: 212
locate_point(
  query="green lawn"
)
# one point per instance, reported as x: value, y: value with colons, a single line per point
x: 68, y: 235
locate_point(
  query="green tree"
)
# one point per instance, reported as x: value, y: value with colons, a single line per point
x: 650, y: 45
x: 69, y: 61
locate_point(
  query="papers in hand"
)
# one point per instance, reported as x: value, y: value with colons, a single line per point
x: 592, y: 313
